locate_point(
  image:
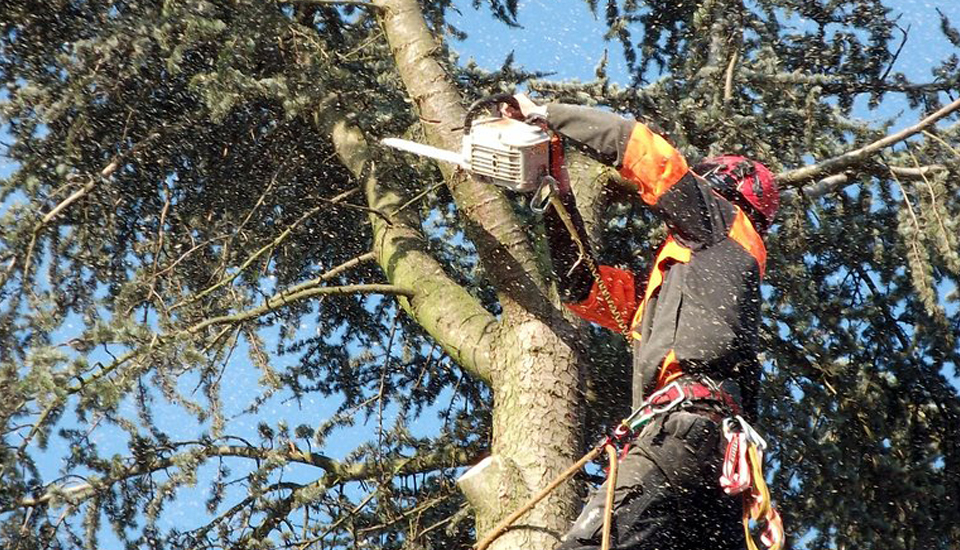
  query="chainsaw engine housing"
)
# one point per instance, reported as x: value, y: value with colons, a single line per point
x: 508, y: 152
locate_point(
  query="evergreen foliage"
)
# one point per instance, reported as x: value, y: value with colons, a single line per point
x: 188, y: 218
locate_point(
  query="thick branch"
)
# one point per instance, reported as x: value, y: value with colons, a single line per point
x: 857, y: 157
x: 830, y: 184
x: 832, y: 84
x: 335, y: 472
x: 451, y: 315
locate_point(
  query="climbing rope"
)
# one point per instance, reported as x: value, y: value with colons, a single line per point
x: 611, y: 493
x: 568, y: 473
x: 743, y: 460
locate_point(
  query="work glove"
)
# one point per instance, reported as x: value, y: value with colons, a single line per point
x: 528, y: 109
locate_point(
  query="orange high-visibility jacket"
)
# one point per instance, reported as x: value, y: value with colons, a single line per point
x: 699, y: 311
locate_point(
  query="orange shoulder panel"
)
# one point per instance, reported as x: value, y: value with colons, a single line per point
x: 746, y: 236
x: 670, y: 251
x: 652, y: 163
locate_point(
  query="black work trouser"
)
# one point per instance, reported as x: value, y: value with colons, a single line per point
x: 668, y: 494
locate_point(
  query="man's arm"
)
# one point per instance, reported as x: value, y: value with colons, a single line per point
x: 686, y: 203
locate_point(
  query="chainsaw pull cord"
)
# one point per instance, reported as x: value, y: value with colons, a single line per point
x: 477, y: 107
x: 556, y: 168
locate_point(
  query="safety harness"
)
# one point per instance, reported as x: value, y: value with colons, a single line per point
x: 742, y: 472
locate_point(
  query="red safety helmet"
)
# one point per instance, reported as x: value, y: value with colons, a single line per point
x: 746, y: 183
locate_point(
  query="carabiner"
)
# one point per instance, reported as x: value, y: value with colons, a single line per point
x: 541, y: 197
x: 753, y: 436
x: 680, y: 398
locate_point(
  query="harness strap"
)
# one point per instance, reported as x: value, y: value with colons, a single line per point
x: 673, y: 395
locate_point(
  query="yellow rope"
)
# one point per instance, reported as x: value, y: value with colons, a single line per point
x: 752, y: 510
x: 611, y: 492
x: 508, y: 521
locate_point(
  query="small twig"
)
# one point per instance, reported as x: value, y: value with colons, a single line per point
x: 383, y: 383
x: 266, y: 248
x: 435, y: 526
x: 896, y: 54
x: 913, y: 215
x: 228, y: 280
x: 157, y: 249
x: 940, y: 140
x: 356, y: 509
x: 933, y: 198
x: 728, y: 80
x: 37, y: 426
x: 404, y: 515
x: 183, y: 256
x: 420, y: 195
x: 299, y: 292
x: 366, y: 209
x: 246, y: 219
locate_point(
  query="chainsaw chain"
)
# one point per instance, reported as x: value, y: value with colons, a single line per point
x: 591, y: 264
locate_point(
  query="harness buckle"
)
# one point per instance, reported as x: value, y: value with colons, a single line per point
x: 680, y: 398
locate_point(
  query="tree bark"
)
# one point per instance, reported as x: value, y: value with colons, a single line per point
x: 535, y: 362
x: 505, y: 250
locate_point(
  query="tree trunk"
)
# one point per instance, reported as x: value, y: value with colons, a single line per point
x: 533, y: 356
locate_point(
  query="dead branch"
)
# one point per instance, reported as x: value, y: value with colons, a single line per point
x: 830, y: 184
x: 850, y: 159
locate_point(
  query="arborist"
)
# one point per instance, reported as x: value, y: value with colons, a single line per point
x: 694, y: 327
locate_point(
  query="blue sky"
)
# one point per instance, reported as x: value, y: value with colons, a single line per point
x: 558, y: 37
x: 565, y: 38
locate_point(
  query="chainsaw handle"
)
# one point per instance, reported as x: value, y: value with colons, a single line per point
x: 479, y: 104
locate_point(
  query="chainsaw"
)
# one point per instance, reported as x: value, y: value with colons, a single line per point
x: 500, y: 150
